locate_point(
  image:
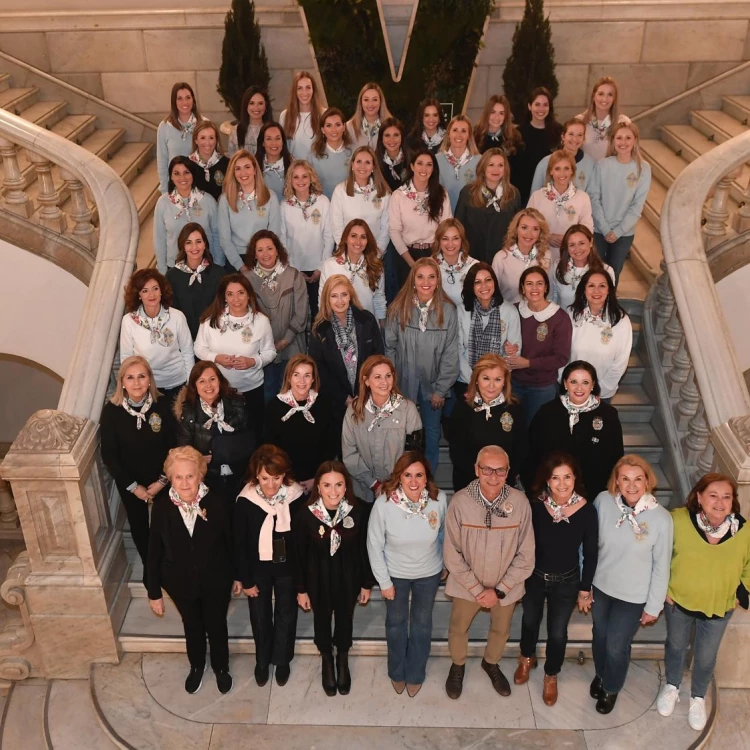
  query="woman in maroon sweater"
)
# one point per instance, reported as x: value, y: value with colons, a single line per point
x: 546, y: 333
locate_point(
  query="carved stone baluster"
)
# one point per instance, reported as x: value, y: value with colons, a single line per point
x: 83, y: 229
x: 16, y: 199
x: 664, y: 299
x: 8, y: 512
x: 49, y: 214
x: 717, y: 213
x: 672, y: 339
x: 705, y: 462
x: 681, y: 369
x: 688, y: 401
x: 741, y: 220
x: 697, y: 439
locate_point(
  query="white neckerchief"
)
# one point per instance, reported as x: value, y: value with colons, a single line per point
x: 588, y: 317
x: 288, y: 399
x: 185, y: 205
x: 452, y: 269
x: 370, y: 131
x: 493, y: 199
x: 270, y: 277
x: 357, y: 269
x: 574, y: 274
x: 592, y: 402
x: 542, y: 315
x: 365, y: 191
x: 155, y: 326
x: 140, y: 416
x: 319, y: 510
x: 381, y: 412
x: 481, y: 405
x: 241, y: 324
x: 515, y: 251
x: 190, y: 511
x: 276, y: 167
x: 601, y: 129
x: 215, y: 416
x: 560, y: 199
x: 422, y: 206
x: 424, y: 312
x: 186, y: 128
x: 434, y: 140
x: 338, y: 150
x: 457, y: 161
x: 245, y: 199
x: 558, y: 511
x: 647, y: 502
x: 393, y: 163
x: 295, y: 202
x: 194, y: 274
x: 205, y: 165
x: 410, y: 507
x: 730, y: 524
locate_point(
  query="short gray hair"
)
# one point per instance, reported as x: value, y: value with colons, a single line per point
x: 492, y: 449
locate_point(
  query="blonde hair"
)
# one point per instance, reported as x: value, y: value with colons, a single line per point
x: 231, y: 187
x: 443, y: 227
x: 614, y: 112
x: 489, y: 362
x: 470, y: 142
x: 555, y: 158
x: 510, y: 193
x: 359, y: 113
x: 631, y: 459
x: 292, y: 109
x: 296, y: 361
x: 185, y: 453
x: 542, y: 244
x: 119, y: 395
x: 207, y: 125
x: 315, y: 187
x: 633, y: 128
x: 402, y: 307
x: 381, y: 186
x: 325, y: 311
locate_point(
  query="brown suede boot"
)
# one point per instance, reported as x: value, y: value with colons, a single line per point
x: 549, y: 692
x: 525, y: 665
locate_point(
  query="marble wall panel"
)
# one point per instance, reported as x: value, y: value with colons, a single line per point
x: 30, y: 47
x: 144, y: 92
x: 704, y: 40
x: 643, y: 84
x: 597, y: 42
x: 287, y: 47
x: 169, y: 48
x: 93, y: 51
x: 574, y: 85
x: 497, y: 43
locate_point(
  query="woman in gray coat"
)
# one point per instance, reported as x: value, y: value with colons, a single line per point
x: 421, y: 337
x: 282, y: 295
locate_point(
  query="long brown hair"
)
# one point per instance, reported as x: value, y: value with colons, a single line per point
x: 401, y: 308
x: 216, y: 308
x: 443, y: 227
x: 595, y: 263
x: 404, y: 462
x: 489, y: 362
x: 702, y: 484
x: 511, y: 134
x: 358, y: 405
x: 265, y: 234
x: 325, y: 311
x: 274, y: 460
x: 190, y: 390
x: 185, y: 232
x: 173, y: 118
x: 231, y: 187
x: 381, y: 186
x: 319, y: 143
x: 292, y: 109
x: 475, y: 188
x: 329, y: 467
x: 373, y: 264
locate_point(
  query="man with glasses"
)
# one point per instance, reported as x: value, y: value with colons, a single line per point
x: 489, y: 553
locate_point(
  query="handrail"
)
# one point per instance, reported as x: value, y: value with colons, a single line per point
x: 91, y: 363
x: 722, y: 386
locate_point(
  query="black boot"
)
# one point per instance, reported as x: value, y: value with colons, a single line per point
x: 595, y: 691
x: 328, y: 675
x: 606, y: 702
x: 343, y: 676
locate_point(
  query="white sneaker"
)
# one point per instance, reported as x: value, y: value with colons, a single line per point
x: 669, y: 697
x: 697, y: 714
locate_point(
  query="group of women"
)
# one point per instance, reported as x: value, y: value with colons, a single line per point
x: 343, y: 320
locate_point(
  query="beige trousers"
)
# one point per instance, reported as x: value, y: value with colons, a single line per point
x: 463, y: 614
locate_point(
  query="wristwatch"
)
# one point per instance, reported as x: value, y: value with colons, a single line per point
x: 500, y: 593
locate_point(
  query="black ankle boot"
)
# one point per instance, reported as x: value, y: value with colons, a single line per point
x: 328, y: 675
x: 606, y: 702
x: 343, y: 676
x: 595, y: 691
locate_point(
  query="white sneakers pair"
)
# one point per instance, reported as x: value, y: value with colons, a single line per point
x: 669, y: 697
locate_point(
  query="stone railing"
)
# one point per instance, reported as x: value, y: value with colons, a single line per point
x: 71, y: 585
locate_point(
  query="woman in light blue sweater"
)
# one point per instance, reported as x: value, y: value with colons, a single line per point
x: 621, y: 184
x: 457, y: 158
x: 174, y: 136
x: 181, y: 205
x: 632, y: 574
x: 405, y: 545
x: 331, y: 152
x: 246, y: 206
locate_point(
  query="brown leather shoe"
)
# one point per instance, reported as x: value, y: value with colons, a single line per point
x: 525, y: 665
x: 549, y: 692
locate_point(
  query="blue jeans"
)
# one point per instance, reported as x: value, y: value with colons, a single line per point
x: 615, y: 624
x: 708, y: 635
x: 273, y: 377
x: 614, y: 253
x: 532, y: 397
x: 432, y: 429
x: 409, y: 633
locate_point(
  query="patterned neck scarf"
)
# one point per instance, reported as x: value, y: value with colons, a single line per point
x: 365, y: 191
x: 451, y: 269
x: 730, y: 524
x: 194, y: 274
x: 434, y: 140
x: 497, y: 507
x: 215, y: 416
x: 276, y: 167
x: 319, y: 510
x: 574, y: 274
x: 457, y: 161
x: 424, y: 312
x: 187, y: 128
x: 270, y: 277
x: 588, y: 317
x: 529, y: 259
x: 245, y: 199
x: 601, y: 129
x: 410, y: 507
x: 481, y: 405
x: 185, y: 205
x: 277, y: 499
x: 370, y: 131
x: 346, y: 342
x: 190, y: 511
x: 140, y: 416
x: 381, y: 412
x: 155, y: 326
x: 493, y: 200
x: 496, y: 137
x: 242, y: 324
x: 206, y: 165
x: 560, y: 201
x: 422, y: 205
x: 288, y: 399
x: 591, y: 403
x: 647, y: 502
x: 355, y: 270
x: 294, y: 201
x: 393, y: 163
x: 485, y: 338
x: 558, y: 511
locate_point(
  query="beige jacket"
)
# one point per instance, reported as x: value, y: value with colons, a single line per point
x: 478, y: 557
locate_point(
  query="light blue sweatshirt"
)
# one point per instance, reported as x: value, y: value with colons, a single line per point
x: 584, y: 173
x: 452, y: 184
x: 167, y: 228
x: 402, y: 545
x: 236, y: 228
x: 628, y: 569
x: 331, y: 169
x: 169, y: 143
x: 618, y: 195
x: 274, y: 183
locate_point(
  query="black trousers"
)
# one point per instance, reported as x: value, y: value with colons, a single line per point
x: 171, y: 393
x: 273, y: 617
x: 137, y: 512
x: 403, y: 267
x: 206, y: 616
x: 339, y: 608
x: 256, y: 407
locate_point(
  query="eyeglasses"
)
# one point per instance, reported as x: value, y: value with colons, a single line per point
x: 488, y: 471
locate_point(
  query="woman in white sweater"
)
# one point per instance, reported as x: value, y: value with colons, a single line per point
x: 364, y: 195
x: 301, y: 119
x: 236, y: 335
x: 560, y: 202
x: 451, y: 251
x: 368, y: 117
x: 357, y: 258
x: 156, y: 331
x: 602, y: 332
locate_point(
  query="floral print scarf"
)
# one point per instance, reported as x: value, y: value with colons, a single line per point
x: 324, y: 516
x: 156, y: 326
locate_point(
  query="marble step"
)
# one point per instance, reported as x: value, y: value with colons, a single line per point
x: 717, y: 124
x: 4, y: 81
x: 17, y: 100
x: 145, y: 257
x: 145, y: 191
x: 45, y: 114
x: 737, y: 107
x: 654, y: 202
x: 666, y: 165
x: 646, y: 253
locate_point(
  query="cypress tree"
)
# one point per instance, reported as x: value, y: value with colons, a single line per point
x: 532, y: 59
x: 243, y: 56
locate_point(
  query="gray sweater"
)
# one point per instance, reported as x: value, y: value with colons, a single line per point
x: 428, y: 358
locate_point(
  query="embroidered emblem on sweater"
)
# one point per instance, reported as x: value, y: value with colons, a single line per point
x: 432, y: 518
x: 597, y: 423
x: 541, y: 331
x: 348, y: 522
x: 632, y: 180
x: 315, y: 216
x: 506, y: 421
x: 261, y: 211
x: 154, y: 422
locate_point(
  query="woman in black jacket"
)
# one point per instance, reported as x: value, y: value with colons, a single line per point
x: 213, y: 418
x: 487, y: 415
x: 190, y: 557
x: 137, y: 431
x: 332, y: 568
x: 579, y: 423
x: 343, y: 337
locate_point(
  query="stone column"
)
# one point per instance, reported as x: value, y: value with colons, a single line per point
x: 76, y: 590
